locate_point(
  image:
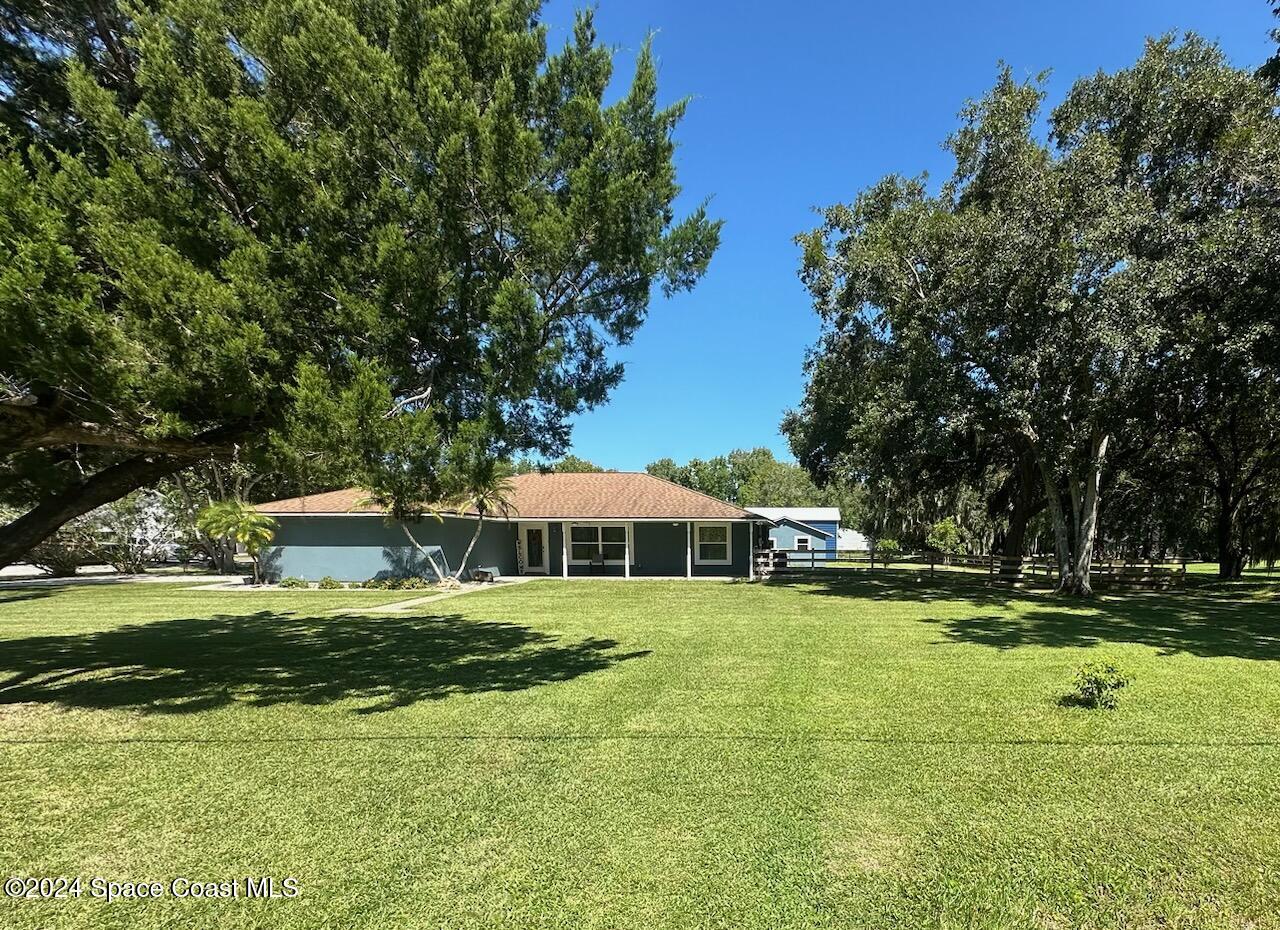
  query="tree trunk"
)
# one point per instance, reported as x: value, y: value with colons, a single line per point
x: 457, y: 576
x: 38, y: 524
x: 1074, y: 543
x: 1061, y: 539
x: 1014, y: 546
x: 222, y: 550
x: 1025, y: 506
x: 440, y: 574
x: 1087, y: 532
x: 1230, y: 559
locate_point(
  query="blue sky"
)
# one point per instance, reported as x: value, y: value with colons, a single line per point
x: 796, y: 106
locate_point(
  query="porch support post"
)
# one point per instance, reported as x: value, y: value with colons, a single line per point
x: 751, y: 552
x: 564, y: 550
x: 626, y: 559
x: 688, y: 550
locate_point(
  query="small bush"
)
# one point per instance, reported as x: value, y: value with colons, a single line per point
x: 411, y: 583
x: 888, y: 547
x: 355, y: 585
x: 59, y: 556
x: 408, y: 583
x: 329, y: 583
x: 946, y: 537
x: 62, y: 553
x: 292, y: 582
x: 1097, y: 683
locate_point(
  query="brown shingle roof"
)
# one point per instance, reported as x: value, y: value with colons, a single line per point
x: 349, y: 500
x: 596, y: 495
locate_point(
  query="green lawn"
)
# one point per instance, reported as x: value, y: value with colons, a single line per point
x: 870, y: 753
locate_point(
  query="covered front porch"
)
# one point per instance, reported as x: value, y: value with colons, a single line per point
x: 650, y: 548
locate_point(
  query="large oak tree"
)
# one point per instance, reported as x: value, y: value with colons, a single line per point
x: 1062, y: 299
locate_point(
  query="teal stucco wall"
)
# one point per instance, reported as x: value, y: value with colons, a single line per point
x: 357, y: 548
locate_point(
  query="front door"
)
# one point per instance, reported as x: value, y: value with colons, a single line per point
x: 534, y: 539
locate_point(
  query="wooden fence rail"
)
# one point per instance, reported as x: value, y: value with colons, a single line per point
x: 1032, y: 569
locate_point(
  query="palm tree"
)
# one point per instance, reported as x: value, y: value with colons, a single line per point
x: 402, y: 519
x: 486, y: 489
x: 241, y: 522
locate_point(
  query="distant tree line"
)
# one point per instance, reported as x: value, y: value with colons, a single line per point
x: 1072, y: 344
x: 746, y: 477
x: 755, y: 478
x: 569, y: 464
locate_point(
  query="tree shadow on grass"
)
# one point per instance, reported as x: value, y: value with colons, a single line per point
x: 1201, y: 624
x: 268, y: 658
x: 901, y: 585
x: 1207, y: 618
x: 16, y: 595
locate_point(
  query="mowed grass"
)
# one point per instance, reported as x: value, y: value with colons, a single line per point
x: 879, y: 751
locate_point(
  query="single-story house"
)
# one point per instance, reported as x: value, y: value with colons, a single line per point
x: 801, y: 528
x: 603, y: 523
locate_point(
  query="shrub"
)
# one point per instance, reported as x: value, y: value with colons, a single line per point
x: 888, y: 546
x: 945, y: 537
x: 292, y: 582
x: 407, y: 583
x: 135, y: 531
x: 329, y: 583
x: 1097, y: 683
x: 356, y: 585
x: 243, y: 523
x: 62, y: 553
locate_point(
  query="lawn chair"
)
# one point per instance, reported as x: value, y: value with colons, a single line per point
x: 597, y: 564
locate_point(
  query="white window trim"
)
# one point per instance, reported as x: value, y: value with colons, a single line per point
x: 808, y: 543
x: 569, y: 543
x: 728, y: 547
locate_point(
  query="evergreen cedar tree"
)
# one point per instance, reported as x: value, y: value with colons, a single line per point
x: 397, y: 237
x: 1058, y: 309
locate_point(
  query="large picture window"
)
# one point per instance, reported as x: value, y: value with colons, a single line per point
x: 712, y: 546
x: 588, y: 542
x: 584, y: 543
x: 613, y: 543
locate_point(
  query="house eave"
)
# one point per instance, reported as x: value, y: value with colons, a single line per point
x: 515, y: 518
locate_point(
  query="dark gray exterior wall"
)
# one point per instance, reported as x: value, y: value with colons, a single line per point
x: 556, y: 535
x: 740, y: 554
x: 356, y: 548
x: 660, y: 549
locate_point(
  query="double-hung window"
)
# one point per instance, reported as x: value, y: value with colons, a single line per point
x: 589, y: 542
x: 711, y: 545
